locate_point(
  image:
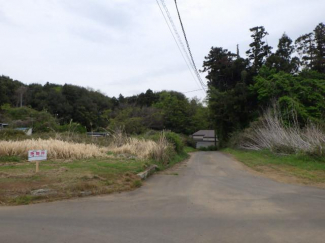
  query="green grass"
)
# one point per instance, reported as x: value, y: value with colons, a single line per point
x: 301, y: 166
x: 5, y: 159
x: 174, y: 160
x: 190, y: 150
x: 70, y: 178
x: 137, y: 183
x: 24, y: 200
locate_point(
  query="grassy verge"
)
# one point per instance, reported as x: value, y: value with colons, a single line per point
x: 67, y: 179
x: 190, y: 150
x: 174, y: 160
x: 288, y: 168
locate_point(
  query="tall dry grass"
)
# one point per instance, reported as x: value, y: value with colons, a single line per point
x: 274, y: 135
x: 144, y: 149
x: 120, y: 143
x: 56, y: 149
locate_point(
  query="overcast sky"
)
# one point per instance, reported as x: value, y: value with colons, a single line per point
x: 124, y: 46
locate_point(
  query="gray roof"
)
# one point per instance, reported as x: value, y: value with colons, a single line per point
x: 205, y: 133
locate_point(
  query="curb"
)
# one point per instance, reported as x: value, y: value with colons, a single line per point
x: 149, y: 171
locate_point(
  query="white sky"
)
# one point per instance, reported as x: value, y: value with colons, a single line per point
x: 124, y: 46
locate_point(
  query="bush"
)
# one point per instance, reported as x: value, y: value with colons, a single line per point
x: 271, y: 132
x: 176, y: 140
x: 40, y: 121
x: 189, y: 141
x: 133, y: 125
x: 72, y: 127
x: 11, y: 134
x: 210, y: 148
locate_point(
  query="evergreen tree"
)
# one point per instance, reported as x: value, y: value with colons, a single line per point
x: 282, y: 59
x: 306, y: 49
x: 319, y: 33
x: 224, y: 68
x: 259, y: 50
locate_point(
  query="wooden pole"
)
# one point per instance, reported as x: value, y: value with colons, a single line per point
x: 37, y: 166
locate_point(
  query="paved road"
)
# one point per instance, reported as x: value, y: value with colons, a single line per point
x: 212, y: 199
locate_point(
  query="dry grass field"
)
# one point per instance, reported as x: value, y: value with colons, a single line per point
x: 77, y: 169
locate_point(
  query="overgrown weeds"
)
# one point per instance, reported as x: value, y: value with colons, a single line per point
x: 273, y: 134
x: 142, y: 148
x: 56, y: 149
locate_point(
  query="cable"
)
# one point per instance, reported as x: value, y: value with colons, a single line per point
x: 181, y: 45
x: 177, y: 43
x: 188, y: 46
x: 181, y: 42
x: 191, y: 91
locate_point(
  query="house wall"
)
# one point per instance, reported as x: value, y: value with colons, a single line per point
x: 203, y: 144
x: 198, y: 137
x: 209, y: 139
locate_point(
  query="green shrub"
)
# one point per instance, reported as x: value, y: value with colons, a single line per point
x: 210, y: 148
x: 176, y: 140
x: 40, y: 121
x: 72, y: 127
x: 189, y: 141
x: 11, y: 134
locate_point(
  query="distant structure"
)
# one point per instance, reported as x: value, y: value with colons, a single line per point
x: 205, y: 138
x: 27, y: 130
x: 3, y: 125
x: 98, y: 134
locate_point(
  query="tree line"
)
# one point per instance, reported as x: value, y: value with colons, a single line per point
x: 292, y: 76
x: 239, y: 89
x: 96, y: 112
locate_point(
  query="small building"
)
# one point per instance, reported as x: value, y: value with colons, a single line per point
x: 3, y: 125
x: 27, y: 130
x: 98, y: 134
x: 205, y: 138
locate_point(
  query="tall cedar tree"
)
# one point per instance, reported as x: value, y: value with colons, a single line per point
x: 311, y: 48
x: 282, y: 59
x: 306, y: 48
x: 320, y: 47
x: 227, y: 94
x: 224, y: 68
x: 259, y: 50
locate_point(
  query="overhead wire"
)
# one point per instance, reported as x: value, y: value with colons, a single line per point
x: 177, y: 42
x: 181, y: 45
x: 188, y: 46
x: 191, y: 91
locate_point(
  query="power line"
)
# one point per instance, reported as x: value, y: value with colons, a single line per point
x: 181, y: 45
x: 188, y: 47
x: 181, y: 42
x: 191, y: 91
x: 177, y: 43
x: 175, y: 30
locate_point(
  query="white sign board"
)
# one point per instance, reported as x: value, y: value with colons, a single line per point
x: 35, y: 155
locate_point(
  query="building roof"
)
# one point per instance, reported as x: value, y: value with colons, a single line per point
x: 22, y: 128
x: 205, y: 133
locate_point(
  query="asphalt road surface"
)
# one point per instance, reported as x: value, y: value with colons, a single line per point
x: 212, y: 199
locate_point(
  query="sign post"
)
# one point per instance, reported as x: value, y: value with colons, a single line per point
x: 37, y: 155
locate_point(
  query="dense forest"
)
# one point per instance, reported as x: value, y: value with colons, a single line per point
x: 239, y: 89
x: 97, y: 112
x: 292, y: 76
